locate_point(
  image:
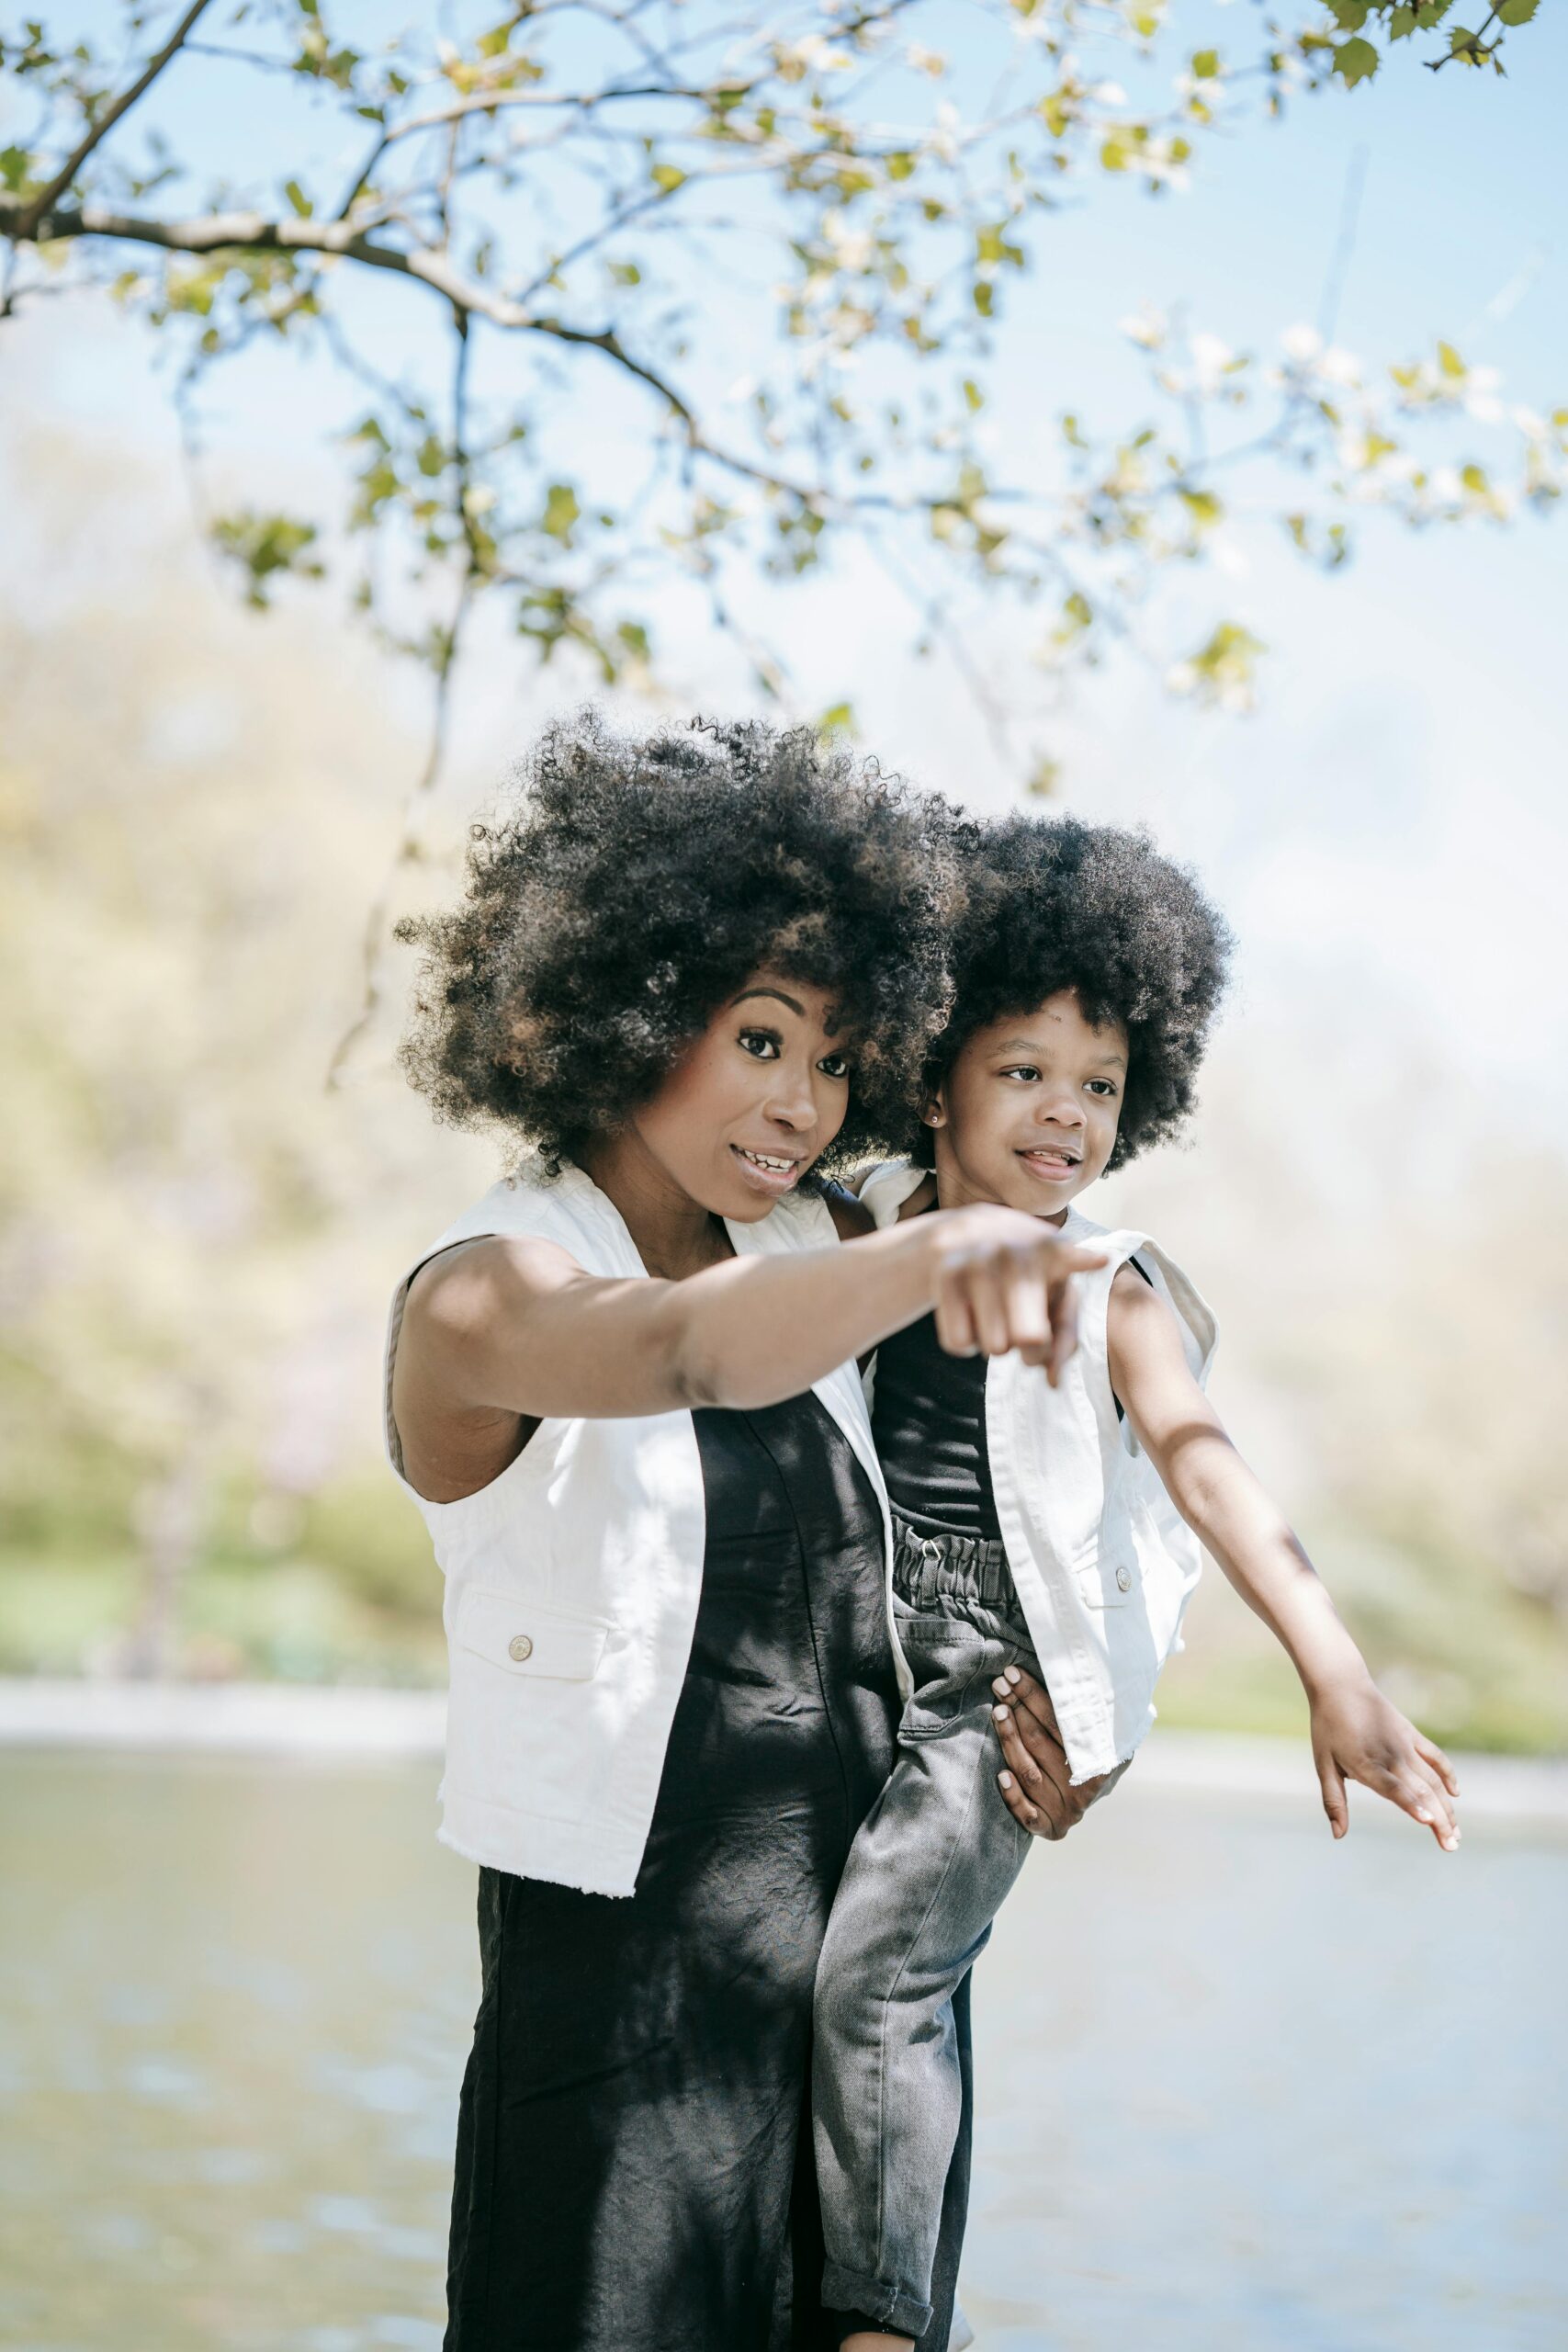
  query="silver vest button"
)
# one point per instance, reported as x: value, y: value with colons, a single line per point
x: 520, y: 1647
x: 1124, y: 1579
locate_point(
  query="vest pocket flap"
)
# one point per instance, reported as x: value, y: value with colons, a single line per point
x: 517, y: 1634
x: 1110, y: 1581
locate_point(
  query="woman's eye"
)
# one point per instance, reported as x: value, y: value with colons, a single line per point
x: 761, y: 1044
x: 833, y: 1066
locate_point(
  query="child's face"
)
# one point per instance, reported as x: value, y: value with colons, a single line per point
x: 1028, y: 1116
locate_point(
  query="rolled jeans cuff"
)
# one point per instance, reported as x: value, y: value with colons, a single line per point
x: 848, y: 2291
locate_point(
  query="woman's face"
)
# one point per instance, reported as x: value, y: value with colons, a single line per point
x: 757, y: 1098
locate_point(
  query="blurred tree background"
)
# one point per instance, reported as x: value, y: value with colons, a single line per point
x: 616, y: 329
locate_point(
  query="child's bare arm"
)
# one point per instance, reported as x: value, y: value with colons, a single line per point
x: 1357, y: 1733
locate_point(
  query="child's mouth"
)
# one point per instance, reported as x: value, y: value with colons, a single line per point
x: 1055, y: 1167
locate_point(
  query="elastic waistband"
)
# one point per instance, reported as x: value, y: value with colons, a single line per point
x: 929, y: 1568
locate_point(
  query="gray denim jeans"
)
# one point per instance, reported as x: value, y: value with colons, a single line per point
x: 924, y: 1880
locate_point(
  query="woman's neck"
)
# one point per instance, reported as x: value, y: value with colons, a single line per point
x: 675, y: 1235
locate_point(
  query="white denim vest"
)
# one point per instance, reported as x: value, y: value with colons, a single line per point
x: 1103, y: 1561
x: 572, y: 1580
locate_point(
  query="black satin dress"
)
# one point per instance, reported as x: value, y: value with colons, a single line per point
x: 633, y: 2153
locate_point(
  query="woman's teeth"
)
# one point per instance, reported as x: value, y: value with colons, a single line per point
x: 761, y: 1159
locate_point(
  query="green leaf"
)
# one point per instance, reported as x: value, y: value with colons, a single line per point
x: 1432, y: 12
x: 561, y: 511
x: 974, y: 399
x: 1205, y: 509
x: 297, y: 198
x: 263, y: 545
x: 1349, y: 14
x: 1206, y: 64
x: 1449, y: 360
x: 1518, y: 12
x: 838, y: 720
x: 1355, y: 61
x: 1402, y: 24
x: 14, y: 162
x: 668, y: 176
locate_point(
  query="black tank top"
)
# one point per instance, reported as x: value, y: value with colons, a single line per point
x: 929, y: 1420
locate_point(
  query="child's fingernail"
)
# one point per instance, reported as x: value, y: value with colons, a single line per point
x: 1423, y: 1816
x: 1004, y: 1781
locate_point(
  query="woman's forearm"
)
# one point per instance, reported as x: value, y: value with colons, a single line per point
x: 755, y: 1330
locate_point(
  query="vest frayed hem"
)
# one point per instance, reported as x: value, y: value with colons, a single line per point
x: 526, y: 1846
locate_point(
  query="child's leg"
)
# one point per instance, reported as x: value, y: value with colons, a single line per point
x: 924, y: 1880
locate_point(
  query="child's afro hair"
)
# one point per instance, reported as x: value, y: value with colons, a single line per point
x: 1056, y: 904
x: 631, y: 887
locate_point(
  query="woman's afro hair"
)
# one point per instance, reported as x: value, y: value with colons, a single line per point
x: 629, y: 888
x: 1056, y: 904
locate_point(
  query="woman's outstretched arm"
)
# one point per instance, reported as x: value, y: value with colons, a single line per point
x: 503, y: 1327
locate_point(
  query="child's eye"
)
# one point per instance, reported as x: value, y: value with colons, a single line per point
x: 833, y: 1066
x: 1103, y: 1086
x: 762, y: 1045
x: 1022, y: 1070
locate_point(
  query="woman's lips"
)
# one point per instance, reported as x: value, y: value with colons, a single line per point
x: 768, y: 1171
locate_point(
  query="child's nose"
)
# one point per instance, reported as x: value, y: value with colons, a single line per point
x: 1064, y: 1111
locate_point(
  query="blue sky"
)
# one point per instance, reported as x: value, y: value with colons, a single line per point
x: 1387, y: 830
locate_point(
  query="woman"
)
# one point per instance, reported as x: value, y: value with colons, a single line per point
x: 623, y: 1391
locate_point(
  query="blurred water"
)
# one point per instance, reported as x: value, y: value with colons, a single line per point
x: 1240, y: 2090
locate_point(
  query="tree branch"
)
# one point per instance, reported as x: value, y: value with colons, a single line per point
x: 254, y: 233
x: 494, y: 101
x: 38, y: 206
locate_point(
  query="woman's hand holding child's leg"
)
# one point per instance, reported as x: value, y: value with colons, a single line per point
x: 1038, y: 1789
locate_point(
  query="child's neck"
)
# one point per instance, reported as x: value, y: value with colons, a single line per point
x: 942, y: 1190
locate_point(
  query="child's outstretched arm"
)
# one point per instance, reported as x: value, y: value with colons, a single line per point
x: 1357, y: 1733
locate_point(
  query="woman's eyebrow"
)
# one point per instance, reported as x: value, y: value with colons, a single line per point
x: 779, y: 994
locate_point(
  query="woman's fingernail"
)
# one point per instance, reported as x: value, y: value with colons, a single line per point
x: 999, y: 1714
x: 1004, y: 1781
x: 999, y: 1686
x: 1013, y: 1675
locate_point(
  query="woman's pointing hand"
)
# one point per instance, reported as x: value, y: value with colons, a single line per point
x: 1005, y: 1281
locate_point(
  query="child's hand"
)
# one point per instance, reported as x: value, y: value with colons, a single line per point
x: 1358, y: 1735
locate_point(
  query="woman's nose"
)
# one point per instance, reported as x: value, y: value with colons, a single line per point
x: 792, y: 1103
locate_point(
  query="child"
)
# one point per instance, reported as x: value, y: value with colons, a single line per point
x: 1051, y: 1529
